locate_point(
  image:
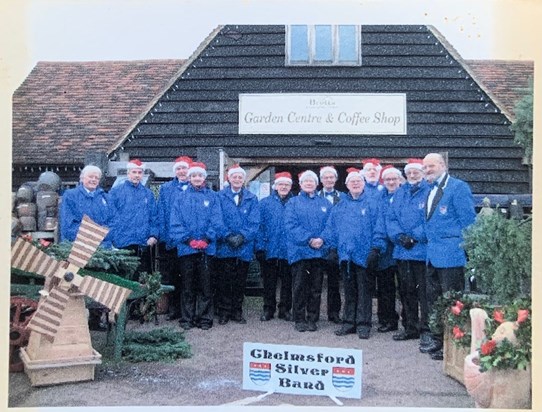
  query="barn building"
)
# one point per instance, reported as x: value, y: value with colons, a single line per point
x: 274, y: 98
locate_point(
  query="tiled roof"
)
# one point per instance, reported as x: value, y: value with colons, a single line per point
x: 505, y: 79
x: 64, y: 110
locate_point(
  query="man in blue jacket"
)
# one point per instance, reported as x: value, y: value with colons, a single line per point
x: 406, y: 227
x: 135, y: 225
x: 85, y: 199
x: 383, y: 278
x: 305, y: 219
x: 167, y: 250
x: 195, y: 226
x: 271, y: 250
x: 449, y: 211
x: 350, y: 228
x: 235, y: 249
x: 328, y: 177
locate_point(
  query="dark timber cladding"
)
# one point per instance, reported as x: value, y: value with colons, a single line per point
x: 447, y: 111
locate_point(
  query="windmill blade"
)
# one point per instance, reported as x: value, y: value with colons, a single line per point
x: 89, y: 237
x: 47, y: 317
x: 25, y: 256
x: 106, y: 293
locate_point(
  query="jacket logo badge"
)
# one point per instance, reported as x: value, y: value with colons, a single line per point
x: 363, y: 211
x: 206, y: 203
x: 443, y: 210
x: 324, y: 209
x: 421, y: 205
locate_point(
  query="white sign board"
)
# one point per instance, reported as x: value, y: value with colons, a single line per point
x: 323, y: 113
x: 302, y: 370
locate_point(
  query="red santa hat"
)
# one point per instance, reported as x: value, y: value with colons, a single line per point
x: 413, y: 163
x: 197, y: 167
x: 236, y: 169
x: 388, y: 169
x: 135, y: 164
x: 371, y: 162
x: 184, y: 161
x: 326, y: 169
x: 307, y: 174
x: 283, y: 177
x: 352, y: 172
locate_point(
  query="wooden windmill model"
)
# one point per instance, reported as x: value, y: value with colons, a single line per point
x: 59, y: 347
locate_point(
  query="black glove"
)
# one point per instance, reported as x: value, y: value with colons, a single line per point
x: 372, y: 259
x: 260, y: 256
x: 406, y: 241
x: 234, y: 241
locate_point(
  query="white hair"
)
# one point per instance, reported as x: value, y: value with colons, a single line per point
x: 90, y: 169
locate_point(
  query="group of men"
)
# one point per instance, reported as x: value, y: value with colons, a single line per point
x: 383, y: 227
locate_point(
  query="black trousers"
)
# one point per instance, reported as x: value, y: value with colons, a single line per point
x: 307, y: 289
x: 144, y: 255
x: 274, y: 270
x: 171, y: 275
x: 196, y: 293
x: 440, y: 280
x: 333, y: 273
x: 384, y: 282
x: 358, y: 299
x: 413, y: 295
x: 231, y: 275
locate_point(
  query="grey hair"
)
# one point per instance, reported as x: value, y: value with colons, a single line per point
x: 89, y: 169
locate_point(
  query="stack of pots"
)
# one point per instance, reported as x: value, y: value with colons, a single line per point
x: 37, y: 203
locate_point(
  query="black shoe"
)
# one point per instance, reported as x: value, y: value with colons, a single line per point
x: 345, y: 330
x: 364, y: 333
x: 300, y: 326
x: 403, y: 335
x: 433, y: 347
x: 239, y: 319
x: 438, y: 355
x: 334, y: 318
x: 287, y: 316
x: 223, y: 320
x: 425, y: 339
x: 205, y: 326
x: 185, y: 325
x: 266, y: 316
x: 311, y: 326
x: 387, y: 327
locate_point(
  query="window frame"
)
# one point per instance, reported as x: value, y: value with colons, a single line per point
x: 335, y: 46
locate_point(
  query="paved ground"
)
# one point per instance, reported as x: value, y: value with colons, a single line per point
x: 395, y: 374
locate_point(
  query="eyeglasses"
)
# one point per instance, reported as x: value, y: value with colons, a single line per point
x: 391, y: 179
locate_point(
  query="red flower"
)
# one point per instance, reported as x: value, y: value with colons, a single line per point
x: 523, y: 314
x: 487, y: 347
x: 498, y: 316
x: 44, y: 242
x: 456, y: 310
x: 459, y: 304
x: 458, y: 333
x: 27, y: 237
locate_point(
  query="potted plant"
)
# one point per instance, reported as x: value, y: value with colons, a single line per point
x: 497, y: 374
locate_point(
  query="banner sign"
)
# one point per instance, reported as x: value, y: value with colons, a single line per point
x: 302, y: 370
x: 323, y: 113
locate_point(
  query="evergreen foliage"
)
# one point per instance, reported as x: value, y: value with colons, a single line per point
x: 523, y: 126
x: 499, y: 255
x: 164, y: 344
x: 148, y: 306
x: 117, y: 261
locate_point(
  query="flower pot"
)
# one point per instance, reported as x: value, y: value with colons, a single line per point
x: 500, y: 389
x: 454, y: 358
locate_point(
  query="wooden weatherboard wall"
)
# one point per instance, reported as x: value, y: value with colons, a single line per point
x: 447, y: 110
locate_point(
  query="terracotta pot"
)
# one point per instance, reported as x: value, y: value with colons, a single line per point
x: 501, y: 389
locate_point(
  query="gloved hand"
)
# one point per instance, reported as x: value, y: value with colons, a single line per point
x: 234, y: 241
x: 372, y: 259
x: 193, y: 243
x: 260, y: 255
x: 406, y: 241
x: 202, y: 244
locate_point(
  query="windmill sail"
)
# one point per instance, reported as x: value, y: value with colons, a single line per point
x: 89, y: 237
x: 47, y: 317
x: 106, y: 293
x: 25, y: 256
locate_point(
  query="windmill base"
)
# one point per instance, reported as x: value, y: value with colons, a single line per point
x: 46, y: 372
